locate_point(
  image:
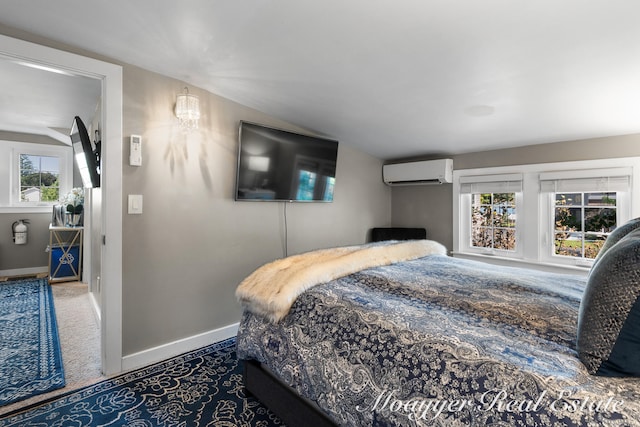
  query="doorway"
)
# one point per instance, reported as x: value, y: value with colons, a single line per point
x: 105, y: 234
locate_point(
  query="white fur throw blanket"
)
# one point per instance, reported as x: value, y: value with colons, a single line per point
x: 271, y: 289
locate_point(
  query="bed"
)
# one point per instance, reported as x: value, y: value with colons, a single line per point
x: 422, y: 339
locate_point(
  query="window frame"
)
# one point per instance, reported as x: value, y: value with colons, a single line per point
x: 10, y: 200
x: 534, y: 223
x: 582, y: 208
x: 39, y: 171
x: 466, y: 230
x: 547, y: 205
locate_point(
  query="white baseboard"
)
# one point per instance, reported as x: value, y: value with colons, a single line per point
x: 96, y: 308
x: 23, y: 271
x: 165, y: 351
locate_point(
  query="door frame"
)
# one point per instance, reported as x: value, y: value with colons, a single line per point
x: 111, y: 270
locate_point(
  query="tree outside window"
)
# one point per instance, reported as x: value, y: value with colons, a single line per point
x: 582, y: 222
x: 39, y: 178
x: 493, y: 221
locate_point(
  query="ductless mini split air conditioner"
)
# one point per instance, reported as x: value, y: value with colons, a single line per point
x: 419, y: 173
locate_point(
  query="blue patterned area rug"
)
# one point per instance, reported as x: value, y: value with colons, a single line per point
x: 199, y: 388
x: 30, y: 355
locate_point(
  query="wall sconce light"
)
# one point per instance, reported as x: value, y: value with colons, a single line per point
x: 188, y: 110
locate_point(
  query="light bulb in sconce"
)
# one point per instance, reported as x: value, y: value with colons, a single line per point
x: 188, y: 110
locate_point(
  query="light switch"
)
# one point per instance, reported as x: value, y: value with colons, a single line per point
x: 135, y: 204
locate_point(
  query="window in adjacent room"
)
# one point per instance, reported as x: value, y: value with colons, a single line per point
x: 34, y: 175
x: 39, y: 178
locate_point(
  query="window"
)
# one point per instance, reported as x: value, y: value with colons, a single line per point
x: 584, y: 208
x: 553, y: 215
x: 493, y: 221
x: 39, y: 178
x: 582, y: 222
x: 33, y: 176
x: 491, y: 205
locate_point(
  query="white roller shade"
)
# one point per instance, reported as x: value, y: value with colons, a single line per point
x: 606, y: 180
x: 502, y: 183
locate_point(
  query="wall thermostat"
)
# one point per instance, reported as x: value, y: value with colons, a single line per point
x: 135, y: 150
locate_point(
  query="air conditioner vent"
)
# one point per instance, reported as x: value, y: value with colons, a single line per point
x: 425, y: 172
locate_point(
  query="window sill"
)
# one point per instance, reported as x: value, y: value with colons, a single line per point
x: 25, y: 209
x: 522, y: 263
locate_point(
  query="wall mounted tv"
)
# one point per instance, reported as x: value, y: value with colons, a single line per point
x: 87, y: 158
x: 278, y: 165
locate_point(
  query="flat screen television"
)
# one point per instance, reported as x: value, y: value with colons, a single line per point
x: 87, y: 158
x: 278, y: 165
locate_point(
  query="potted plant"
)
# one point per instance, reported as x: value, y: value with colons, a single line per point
x: 74, y: 202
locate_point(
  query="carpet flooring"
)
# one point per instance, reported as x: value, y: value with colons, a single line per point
x: 30, y: 354
x: 79, y: 332
x: 199, y: 388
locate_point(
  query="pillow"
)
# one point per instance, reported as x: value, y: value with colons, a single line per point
x: 609, y: 319
x: 616, y: 235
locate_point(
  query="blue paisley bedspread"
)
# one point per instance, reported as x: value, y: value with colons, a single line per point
x: 441, y: 341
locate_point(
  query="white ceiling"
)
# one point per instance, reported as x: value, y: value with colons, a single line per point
x: 395, y: 79
x: 43, y: 102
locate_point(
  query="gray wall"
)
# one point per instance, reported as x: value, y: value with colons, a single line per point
x: 432, y: 206
x: 185, y: 255
x: 193, y: 244
x: 31, y: 255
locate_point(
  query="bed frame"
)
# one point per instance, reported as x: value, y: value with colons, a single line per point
x: 281, y: 399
